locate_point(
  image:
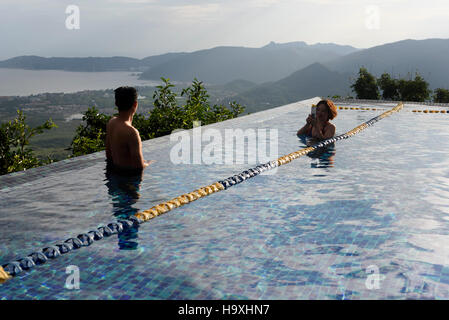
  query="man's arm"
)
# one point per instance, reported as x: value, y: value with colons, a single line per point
x: 135, y: 150
x: 108, y: 143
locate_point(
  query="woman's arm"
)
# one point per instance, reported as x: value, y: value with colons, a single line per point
x: 307, y: 126
x: 304, y: 130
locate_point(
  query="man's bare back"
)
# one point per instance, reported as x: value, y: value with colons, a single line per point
x: 123, y: 144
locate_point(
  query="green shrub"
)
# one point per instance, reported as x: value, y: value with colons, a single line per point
x: 15, y: 135
x: 389, y: 87
x: 366, y: 86
x: 441, y: 95
x: 91, y: 135
x: 414, y: 90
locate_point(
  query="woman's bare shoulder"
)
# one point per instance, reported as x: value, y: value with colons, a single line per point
x: 330, y: 126
x: 330, y: 129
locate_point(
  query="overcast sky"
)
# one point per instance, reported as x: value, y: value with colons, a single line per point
x: 140, y: 28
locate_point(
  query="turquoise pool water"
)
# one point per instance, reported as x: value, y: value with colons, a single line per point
x: 314, y: 230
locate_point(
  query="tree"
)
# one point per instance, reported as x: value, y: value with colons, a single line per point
x: 389, y: 87
x: 197, y: 107
x: 166, y: 115
x: 365, y: 86
x: 441, y: 95
x: 414, y: 90
x: 15, y: 136
x: 90, y: 137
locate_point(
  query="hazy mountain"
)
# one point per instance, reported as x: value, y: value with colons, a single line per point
x: 295, y: 44
x: 311, y: 81
x: 429, y: 57
x: 239, y: 85
x: 152, y: 61
x: 220, y: 65
x: 90, y: 64
x: 330, y: 47
x: 336, y: 48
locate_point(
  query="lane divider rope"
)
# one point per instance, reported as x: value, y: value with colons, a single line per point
x: 414, y: 110
x: 431, y: 111
x: 11, y: 269
x: 361, y: 108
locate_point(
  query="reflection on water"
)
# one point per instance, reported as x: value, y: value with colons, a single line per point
x: 124, y: 189
x: 324, y: 155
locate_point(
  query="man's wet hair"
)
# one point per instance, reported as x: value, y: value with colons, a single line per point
x: 125, y: 98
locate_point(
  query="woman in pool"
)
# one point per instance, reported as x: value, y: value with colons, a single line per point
x: 319, y: 126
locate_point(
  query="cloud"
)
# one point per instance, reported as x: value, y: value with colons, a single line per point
x: 194, y: 12
x: 263, y: 3
x: 135, y: 1
x: 146, y: 27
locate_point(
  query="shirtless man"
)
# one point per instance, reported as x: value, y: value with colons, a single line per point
x: 123, y: 144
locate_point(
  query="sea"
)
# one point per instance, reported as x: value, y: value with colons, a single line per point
x: 19, y: 82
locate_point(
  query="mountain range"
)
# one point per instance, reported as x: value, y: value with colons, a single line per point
x: 218, y: 65
x: 276, y: 73
x: 222, y: 64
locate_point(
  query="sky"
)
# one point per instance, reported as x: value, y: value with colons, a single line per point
x: 141, y: 28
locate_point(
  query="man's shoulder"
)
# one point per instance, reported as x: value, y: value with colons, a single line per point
x: 122, y: 126
x: 111, y: 121
x: 130, y: 132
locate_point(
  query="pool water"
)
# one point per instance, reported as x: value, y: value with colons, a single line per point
x: 366, y: 218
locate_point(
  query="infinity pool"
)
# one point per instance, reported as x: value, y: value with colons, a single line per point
x: 367, y: 218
